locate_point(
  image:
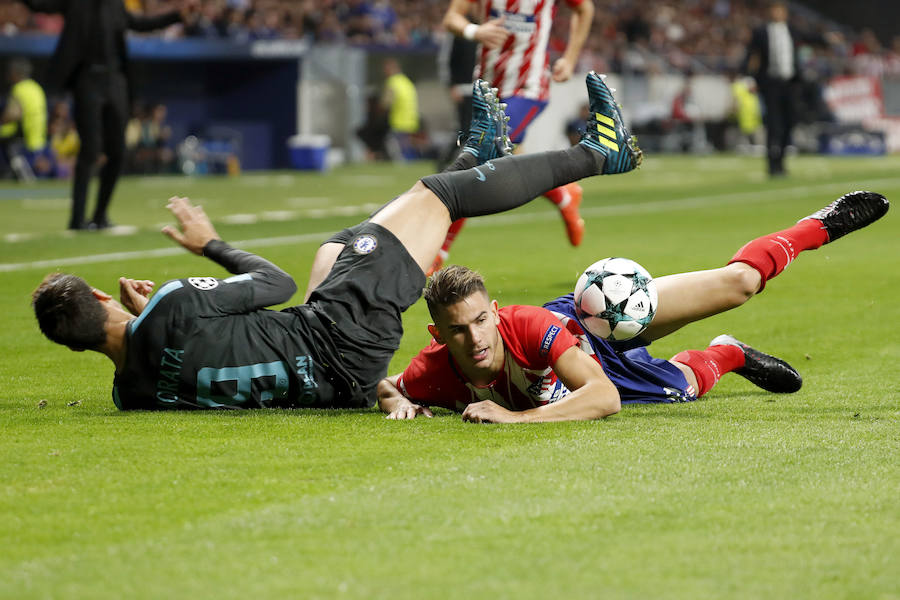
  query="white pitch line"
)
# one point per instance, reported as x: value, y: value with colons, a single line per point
x: 753, y: 197
x: 155, y: 253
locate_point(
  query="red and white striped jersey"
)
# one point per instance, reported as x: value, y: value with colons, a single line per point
x: 533, y: 340
x: 521, y: 66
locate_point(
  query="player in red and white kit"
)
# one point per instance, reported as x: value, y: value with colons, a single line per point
x: 521, y: 364
x: 513, y: 57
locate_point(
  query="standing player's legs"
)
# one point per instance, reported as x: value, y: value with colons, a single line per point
x: 689, y: 297
x: 115, y: 119
x: 567, y: 198
x: 86, y: 114
x: 776, y: 99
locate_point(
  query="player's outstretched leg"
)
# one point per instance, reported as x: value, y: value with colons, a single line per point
x: 567, y: 199
x: 725, y: 354
x: 772, y: 253
x: 850, y: 212
x: 487, y: 138
x: 606, y: 132
x: 511, y: 181
x: 763, y: 370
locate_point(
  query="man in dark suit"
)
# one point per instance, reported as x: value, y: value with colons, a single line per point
x: 772, y: 60
x: 91, y: 60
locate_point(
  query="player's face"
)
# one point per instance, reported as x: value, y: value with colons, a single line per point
x: 469, y: 329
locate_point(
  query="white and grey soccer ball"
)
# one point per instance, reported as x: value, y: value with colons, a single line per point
x: 615, y: 299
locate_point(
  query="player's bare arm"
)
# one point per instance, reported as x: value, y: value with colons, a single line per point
x: 491, y: 33
x: 579, y: 28
x: 592, y: 396
x: 392, y: 401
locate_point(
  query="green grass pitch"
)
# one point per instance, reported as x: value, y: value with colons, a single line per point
x: 740, y: 495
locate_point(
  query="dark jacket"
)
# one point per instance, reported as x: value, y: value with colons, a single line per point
x: 73, y: 44
x: 756, y: 62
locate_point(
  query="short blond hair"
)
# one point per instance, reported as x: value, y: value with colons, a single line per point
x: 451, y: 285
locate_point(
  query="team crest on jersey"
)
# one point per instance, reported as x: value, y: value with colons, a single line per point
x: 365, y: 244
x: 204, y: 283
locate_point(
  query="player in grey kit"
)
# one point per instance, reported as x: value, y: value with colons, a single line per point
x: 209, y: 343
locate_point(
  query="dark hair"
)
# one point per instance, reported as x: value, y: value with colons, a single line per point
x: 68, y: 313
x: 451, y: 285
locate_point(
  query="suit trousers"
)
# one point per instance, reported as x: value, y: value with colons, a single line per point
x: 100, y: 114
x: 780, y: 101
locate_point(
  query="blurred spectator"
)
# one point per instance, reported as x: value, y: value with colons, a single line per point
x: 704, y: 36
x: 401, y: 101
x: 374, y: 131
x: 210, y: 23
x: 747, y: 110
x: 23, y: 124
x: 148, y: 139
x: 63, y: 139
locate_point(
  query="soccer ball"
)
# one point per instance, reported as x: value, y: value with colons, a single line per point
x: 615, y: 299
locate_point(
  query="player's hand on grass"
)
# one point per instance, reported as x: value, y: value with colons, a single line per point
x: 562, y: 70
x: 194, y: 228
x: 134, y: 294
x: 488, y: 412
x: 492, y: 33
x: 408, y: 410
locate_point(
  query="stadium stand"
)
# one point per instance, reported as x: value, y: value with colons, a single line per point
x: 655, y: 46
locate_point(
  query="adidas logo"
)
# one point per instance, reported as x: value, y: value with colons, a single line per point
x: 606, y: 131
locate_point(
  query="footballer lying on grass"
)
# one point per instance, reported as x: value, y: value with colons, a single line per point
x: 202, y: 342
x: 518, y: 364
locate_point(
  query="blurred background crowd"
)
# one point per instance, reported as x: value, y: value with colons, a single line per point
x: 682, y: 66
x: 652, y: 36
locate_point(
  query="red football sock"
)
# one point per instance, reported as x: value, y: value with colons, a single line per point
x: 709, y: 365
x: 452, y: 232
x: 559, y: 196
x: 771, y: 254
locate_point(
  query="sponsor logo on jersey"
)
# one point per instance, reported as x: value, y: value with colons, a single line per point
x: 365, y: 244
x: 551, y: 334
x: 514, y: 22
x: 204, y: 283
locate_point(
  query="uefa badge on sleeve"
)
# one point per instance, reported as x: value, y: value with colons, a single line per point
x: 365, y: 244
x: 204, y: 283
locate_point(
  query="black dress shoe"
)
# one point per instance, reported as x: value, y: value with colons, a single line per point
x: 98, y: 225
